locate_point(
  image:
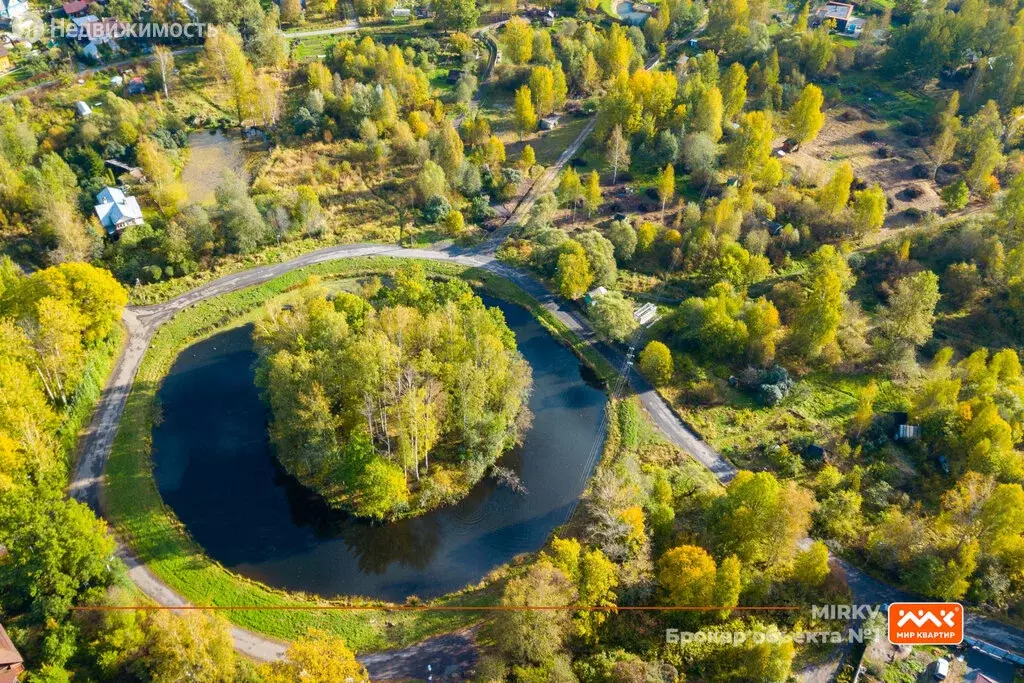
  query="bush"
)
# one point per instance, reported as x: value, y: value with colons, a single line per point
x: 956, y: 195
x: 785, y: 461
x: 656, y: 363
x: 480, y: 209
x: 629, y: 423
x: 961, y: 284
x: 437, y: 209
x: 771, y: 385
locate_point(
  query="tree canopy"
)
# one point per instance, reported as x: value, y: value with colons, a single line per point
x: 394, y: 407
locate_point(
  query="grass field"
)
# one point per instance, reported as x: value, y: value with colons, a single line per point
x: 134, y: 505
x: 817, y: 409
x: 608, y: 7
x: 78, y: 414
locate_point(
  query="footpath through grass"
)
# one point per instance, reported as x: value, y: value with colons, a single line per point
x: 133, y: 504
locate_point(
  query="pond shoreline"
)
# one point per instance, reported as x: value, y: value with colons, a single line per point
x: 273, y: 530
x: 134, y: 506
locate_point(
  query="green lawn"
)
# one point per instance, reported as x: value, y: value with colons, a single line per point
x: 310, y: 49
x: 550, y: 144
x: 134, y: 506
x: 883, y: 97
x: 608, y: 7
x: 818, y: 407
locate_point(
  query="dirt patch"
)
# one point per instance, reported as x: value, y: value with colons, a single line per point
x: 879, y: 154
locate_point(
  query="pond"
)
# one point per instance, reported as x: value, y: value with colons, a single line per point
x: 211, y: 152
x: 214, y: 466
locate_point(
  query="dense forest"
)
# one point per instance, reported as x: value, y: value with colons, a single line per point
x: 396, y: 401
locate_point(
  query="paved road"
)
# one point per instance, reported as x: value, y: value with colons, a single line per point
x: 350, y: 27
x: 143, y: 322
x: 450, y: 656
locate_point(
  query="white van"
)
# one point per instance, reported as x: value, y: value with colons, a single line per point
x: 941, y: 669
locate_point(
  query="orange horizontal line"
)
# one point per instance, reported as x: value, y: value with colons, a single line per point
x: 428, y: 608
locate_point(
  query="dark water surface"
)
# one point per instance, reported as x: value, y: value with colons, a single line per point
x: 214, y: 466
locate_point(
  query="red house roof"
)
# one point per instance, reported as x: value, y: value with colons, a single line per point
x: 11, y: 663
x: 74, y: 7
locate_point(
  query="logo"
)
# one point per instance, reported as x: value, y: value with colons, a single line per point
x: 28, y: 26
x: 926, y: 623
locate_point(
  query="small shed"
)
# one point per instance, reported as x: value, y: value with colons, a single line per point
x: 136, y: 86
x: 646, y: 314
x: 401, y: 12
x: 454, y: 75
x: 906, y: 432
x: 82, y: 110
x: 941, y: 669
x: 549, y: 122
x: 593, y: 295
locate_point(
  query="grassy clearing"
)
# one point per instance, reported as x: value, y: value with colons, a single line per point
x: 311, y: 48
x: 88, y: 392
x: 885, y: 99
x: 551, y: 144
x: 157, y: 292
x: 134, y: 505
x: 818, y: 409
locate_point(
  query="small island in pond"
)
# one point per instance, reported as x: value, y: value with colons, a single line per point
x: 393, y: 402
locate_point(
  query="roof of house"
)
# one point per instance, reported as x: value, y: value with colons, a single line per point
x: 835, y: 10
x: 74, y: 6
x: 113, y: 207
x: 87, y: 19
x: 11, y: 662
x: 13, y: 8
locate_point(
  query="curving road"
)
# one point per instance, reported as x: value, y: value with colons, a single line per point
x: 143, y: 322
x: 448, y: 652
